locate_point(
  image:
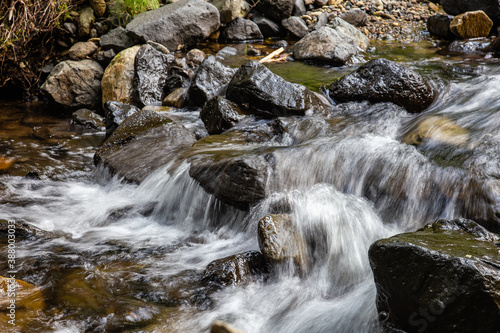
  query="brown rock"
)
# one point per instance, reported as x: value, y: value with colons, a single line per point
x: 471, y: 25
x: 117, y: 81
x: 222, y: 327
x: 176, y: 99
x: 82, y: 50
x: 99, y: 7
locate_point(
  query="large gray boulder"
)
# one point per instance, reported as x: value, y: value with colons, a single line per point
x: 240, y: 30
x: 350, y: 31
x: 151, y: 73
x: 382, y: 80
x: 185, y: 22
x: 295, y: 26
x: 124, y: 152
x: 269, y: 95
x: 210, y: 80
x: 456, y: 7
x: 75, y: 84
x: 327, y: 45
x: 442, y: 278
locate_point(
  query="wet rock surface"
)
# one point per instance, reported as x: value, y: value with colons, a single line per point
x: 123, y: 152
x: 210, y: 80
x: 444, y: 277
x: 382, y: 80
x: 116, y: 113
x: 75, y: 84
x: 151, y: 73
x: 237, y: 269
x: 185, y: 22
x: 220, y: 114
x: 88, y: 119
x: 267, y: 94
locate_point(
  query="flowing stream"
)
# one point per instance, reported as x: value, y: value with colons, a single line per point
x: 109, y: 256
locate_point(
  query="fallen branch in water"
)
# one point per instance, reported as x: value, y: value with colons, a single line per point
x: 272, y: 55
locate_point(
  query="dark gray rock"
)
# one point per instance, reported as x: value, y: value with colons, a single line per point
x: 299, y: 8
x: 322, y: 21
x: 442, y: 278
x: 236, y: 269
x: 295, y: 26
x: 267, y: 27
x: 382, y: 80
x: 276, y: 10
x: 124, y: 152
x: 439, y: 25
x: 185, y: 22
x: 220, y: 114
x: 226, y: 53
x: 75, y: 84
x: 241, y: 30
x: 210, y: 80
x: 326, y: 45
x: 70, y: 27
x: 116, y: 113
x: 267, y: 94
x: 88, y: 119
x: 117, y: 40
x: 456, y: 7
x: 105, y: 57
x: 356, y: 17
x: 151, y: 73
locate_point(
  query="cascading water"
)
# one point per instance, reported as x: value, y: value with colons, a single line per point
x: 113, y: 256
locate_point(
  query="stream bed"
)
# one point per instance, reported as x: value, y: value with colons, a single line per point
x: 110, y: 256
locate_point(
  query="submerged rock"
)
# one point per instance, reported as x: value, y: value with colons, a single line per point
x: 444, y: 277
x: 269, y: 95
x: 236, y: 269
x: 118, y: 79
x: 471, y: 25
x: 124, y: 151
x: 210, y: 80
x: 281, y: 243
x: 88, y: 119
x: 151, y: 73
x: 222, y: 327
x: 240, y: 30
x: 185, y: 22
x: 115, y: 114
x: 382, y: 80
x: 326, y: 45
x: 220, y: 114
x: 75, y: 84
x: 437, y: 129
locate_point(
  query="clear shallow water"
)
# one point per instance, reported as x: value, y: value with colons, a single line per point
x: 113, y: 256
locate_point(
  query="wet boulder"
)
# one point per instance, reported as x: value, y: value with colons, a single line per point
x: 327, y: 45
x: 185, y: 22
x: 151, y: 73
x: 471, y: 25
x: 115, y: 114
x: 220, y: 114
x: 75, y: 84
x: 439, y: 25
x: 236, y: 269
x: 295, y: 26
x: 382, y: 80
x: 444, y: 277
x: 241, y: 30
x: 210, y: 80
x: 124, y: 152
x: 456, y: 7
x: 118, y: 79
x: 276, y: 10
x: 281, y: 243
x: 264, y: 93
x: 88, y: 119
